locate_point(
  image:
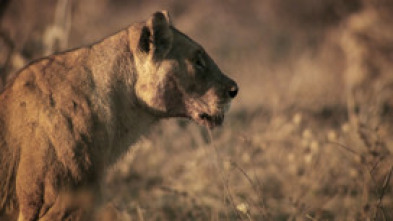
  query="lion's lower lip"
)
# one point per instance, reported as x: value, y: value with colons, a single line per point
x: 205, y: 116
x: 211, y: 121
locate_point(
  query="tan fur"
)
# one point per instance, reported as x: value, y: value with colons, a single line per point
x: 66, y: 118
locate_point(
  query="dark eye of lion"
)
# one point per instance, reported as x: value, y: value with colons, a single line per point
x: 199, y: 61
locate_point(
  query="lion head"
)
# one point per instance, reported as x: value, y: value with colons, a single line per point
x: 176, y: 77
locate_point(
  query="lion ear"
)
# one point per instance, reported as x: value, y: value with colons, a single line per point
x: 156, y: 37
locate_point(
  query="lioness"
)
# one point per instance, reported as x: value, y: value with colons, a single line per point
x: 67, y: 117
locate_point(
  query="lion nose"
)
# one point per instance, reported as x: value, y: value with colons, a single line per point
x: 233, y: 90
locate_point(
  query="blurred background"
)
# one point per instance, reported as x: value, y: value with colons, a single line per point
x: 309, y: 136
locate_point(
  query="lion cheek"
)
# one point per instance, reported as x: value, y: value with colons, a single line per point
x: 148, y: 96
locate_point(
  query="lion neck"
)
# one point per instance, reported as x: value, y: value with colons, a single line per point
x: 118, y: 110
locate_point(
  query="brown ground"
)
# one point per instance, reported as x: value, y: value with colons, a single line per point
x: 290, y: 148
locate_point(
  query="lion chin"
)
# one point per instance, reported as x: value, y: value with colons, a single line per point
x: 208, y: 116
x: 210, y: 121
x: 207, y: 119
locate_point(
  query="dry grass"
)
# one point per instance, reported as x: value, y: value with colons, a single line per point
x: 308, y: 138
x: 267, y: 167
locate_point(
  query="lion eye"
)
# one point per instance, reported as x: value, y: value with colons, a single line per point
x: 199, y: 62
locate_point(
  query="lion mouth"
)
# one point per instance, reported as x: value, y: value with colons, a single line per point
x: 210, y: 116
x: 210, y: 121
